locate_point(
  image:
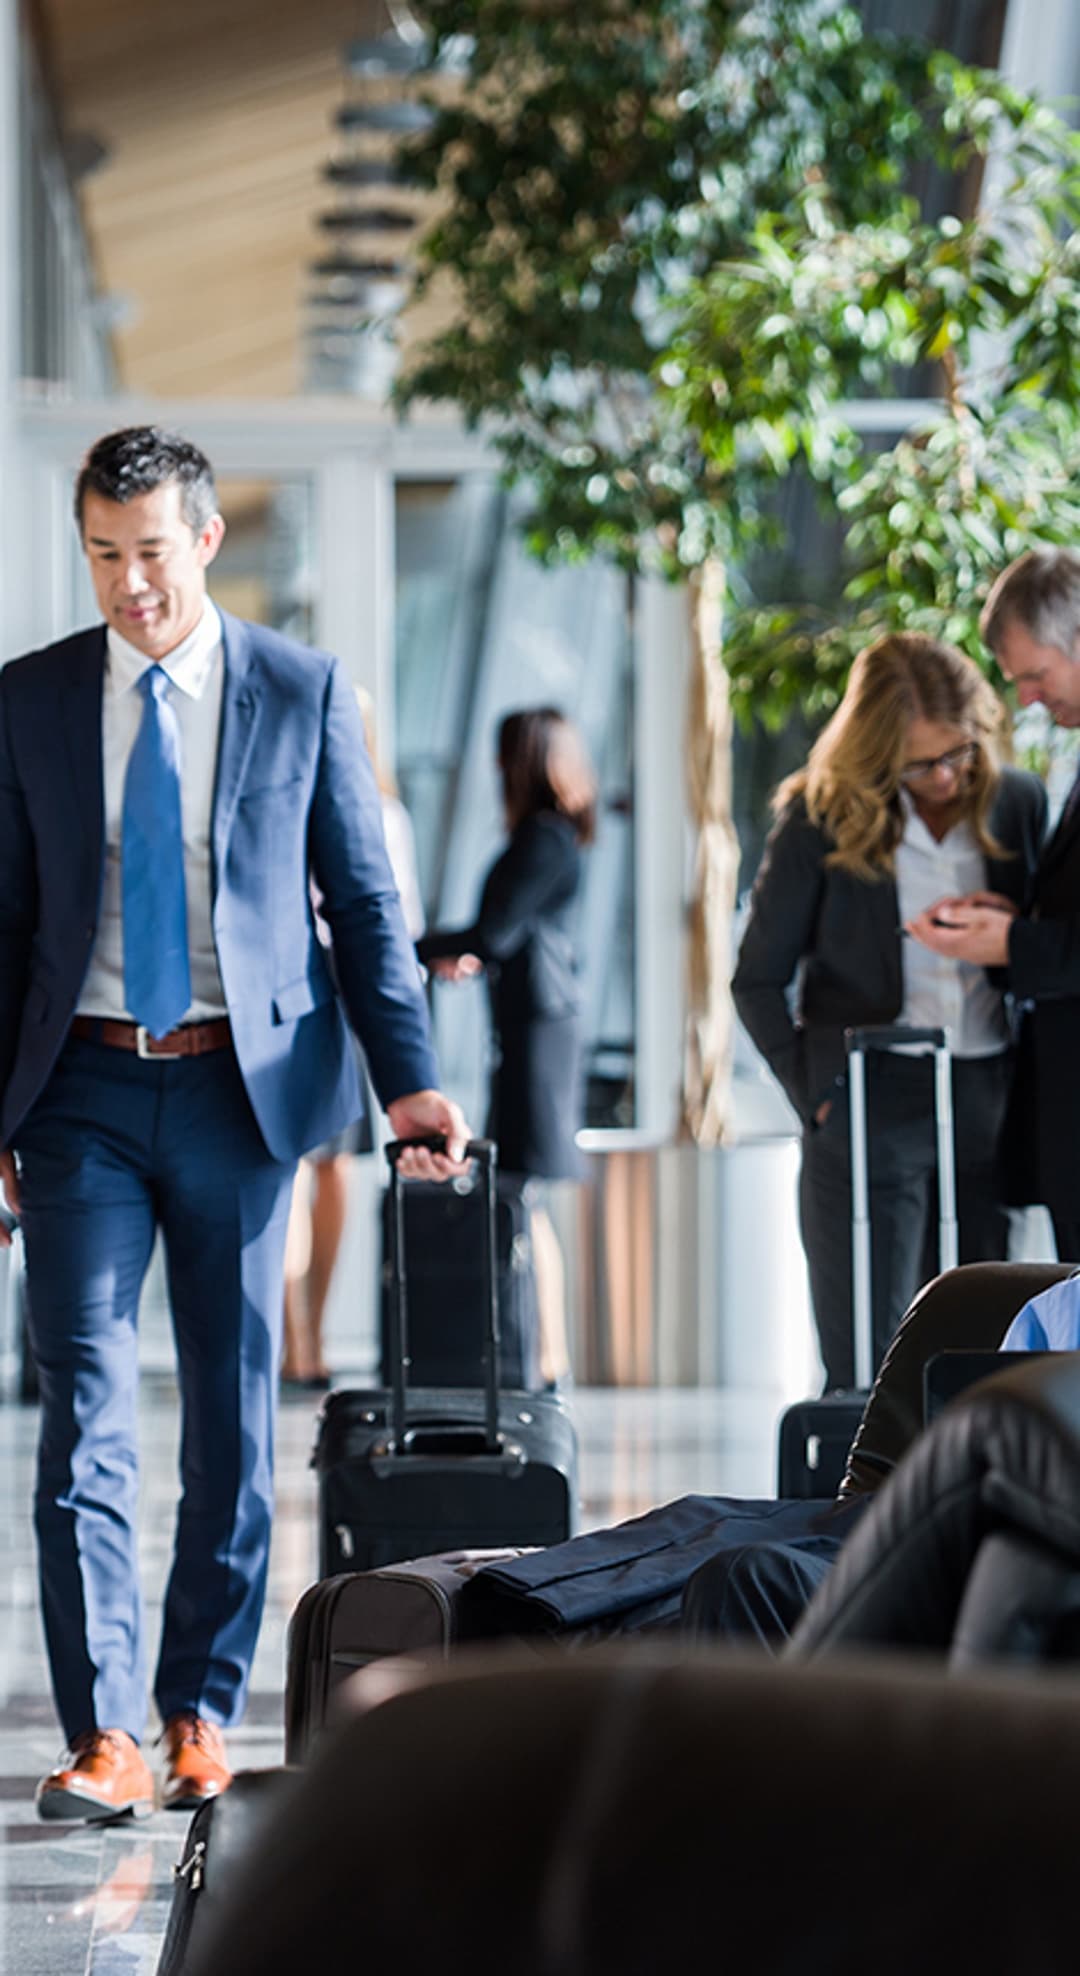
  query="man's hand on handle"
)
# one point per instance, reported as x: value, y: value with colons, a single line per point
x: 424, y: 1112
x: 9, y: 1187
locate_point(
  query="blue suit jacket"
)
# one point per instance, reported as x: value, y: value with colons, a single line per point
x: 295, y: 797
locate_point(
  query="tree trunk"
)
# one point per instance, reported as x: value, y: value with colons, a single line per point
x: 709, y: 1008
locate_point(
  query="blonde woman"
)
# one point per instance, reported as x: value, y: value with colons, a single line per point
x: 902, y: 801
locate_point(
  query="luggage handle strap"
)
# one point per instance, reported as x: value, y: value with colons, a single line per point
x: 486, y: 1154
x: 886, y: 1036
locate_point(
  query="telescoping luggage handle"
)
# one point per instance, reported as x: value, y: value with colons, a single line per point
x: 485, y: 1153
x: 887, y: 1036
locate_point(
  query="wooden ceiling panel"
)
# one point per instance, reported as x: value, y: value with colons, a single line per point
x: 218, y: 119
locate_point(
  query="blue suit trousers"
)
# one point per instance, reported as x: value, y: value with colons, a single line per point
x: 114, y: 1149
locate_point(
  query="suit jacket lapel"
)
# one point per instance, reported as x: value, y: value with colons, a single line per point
x: 81, y: 703
x: 239, y: 715
x: 1065, y: 833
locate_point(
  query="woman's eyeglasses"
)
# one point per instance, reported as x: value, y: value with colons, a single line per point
x: 956, y: 760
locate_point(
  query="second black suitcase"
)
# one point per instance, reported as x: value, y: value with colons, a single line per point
x: 815, y: 1440
x: 407, y: 1472
x: 816, y: 1435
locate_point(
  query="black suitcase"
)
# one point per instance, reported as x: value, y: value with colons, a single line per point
x: 815, y: 1439
x: 445, y: 1246
x: 407, y: 1472
x: 816, y: 1435
x: 222, y: 1835
x: 343, y: 1623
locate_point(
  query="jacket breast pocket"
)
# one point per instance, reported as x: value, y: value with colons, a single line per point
x: 286, y: 790
x: 302, y: 997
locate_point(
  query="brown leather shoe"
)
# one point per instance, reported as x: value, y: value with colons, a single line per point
x: 102, y: 1775
x: 197, y: 1768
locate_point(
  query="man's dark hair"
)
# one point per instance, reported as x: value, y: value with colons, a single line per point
x: 545, y: 766
x: 140, y: 458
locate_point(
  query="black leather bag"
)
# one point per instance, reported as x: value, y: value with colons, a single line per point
x: 223, y: 1834
x: 342, y: 1624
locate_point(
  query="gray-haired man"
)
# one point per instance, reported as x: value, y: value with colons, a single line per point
x: 1031, y: 623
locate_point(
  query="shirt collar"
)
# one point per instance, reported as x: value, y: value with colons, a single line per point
x: 914, y: 825
x: 188, y: 665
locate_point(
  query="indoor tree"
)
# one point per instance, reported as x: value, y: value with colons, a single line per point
x: 598, y: 164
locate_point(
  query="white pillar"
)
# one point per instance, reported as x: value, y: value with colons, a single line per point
x: 1040, y: 50
x: 356, y: 549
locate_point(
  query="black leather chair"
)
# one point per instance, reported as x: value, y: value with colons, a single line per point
x: 760, y: 1591
x: 966, y: 1309
x: 628, y: 1816
x: 972, y: 1549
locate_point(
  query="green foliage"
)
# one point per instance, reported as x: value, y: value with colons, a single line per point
x: 602, y: 159
x: 680, y: 245
x: 771, y: 351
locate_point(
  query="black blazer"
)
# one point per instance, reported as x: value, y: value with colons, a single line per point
x: 1043, y: 1130
x: 838, y: 936
x: 522, y: 930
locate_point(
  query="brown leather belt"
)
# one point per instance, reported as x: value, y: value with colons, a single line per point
x: 193, y: 1039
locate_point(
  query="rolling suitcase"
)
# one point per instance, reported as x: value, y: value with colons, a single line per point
x: 343, y: 1623
x: 816, y: 1435
x: 410, y: 1471
x: 444, y: 1243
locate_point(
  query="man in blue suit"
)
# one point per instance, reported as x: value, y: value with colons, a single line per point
x: 171, y: 1041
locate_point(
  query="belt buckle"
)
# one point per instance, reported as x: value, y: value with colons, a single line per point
x: 143, y: 1039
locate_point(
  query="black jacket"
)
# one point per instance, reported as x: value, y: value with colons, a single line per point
x: 1043, y: 1129
x: 523, y: 934
x: 838, y: 937
x: 522, y: 928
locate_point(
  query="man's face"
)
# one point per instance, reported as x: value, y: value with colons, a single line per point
x: 1043, y: 675
x: 148, y: 566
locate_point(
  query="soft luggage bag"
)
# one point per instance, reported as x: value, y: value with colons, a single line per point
x: 343, y: 1623
x: 223, y: 1834
x: 444, y: 1242
x: 408, y: 1472
x: 816, y: 1435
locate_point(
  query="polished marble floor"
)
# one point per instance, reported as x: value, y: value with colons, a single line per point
x: 76, y: 1899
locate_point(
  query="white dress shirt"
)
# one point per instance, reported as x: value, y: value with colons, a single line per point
x: 941, y: 993
x: 196, y: 671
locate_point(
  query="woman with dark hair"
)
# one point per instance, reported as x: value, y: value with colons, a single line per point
x: 522, y: 938
x: 902, y: 794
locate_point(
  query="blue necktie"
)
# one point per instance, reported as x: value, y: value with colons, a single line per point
x: 157, y: 974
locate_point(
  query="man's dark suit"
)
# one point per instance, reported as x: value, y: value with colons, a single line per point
x: 111, y: 1146
x: 1043, y: 1127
